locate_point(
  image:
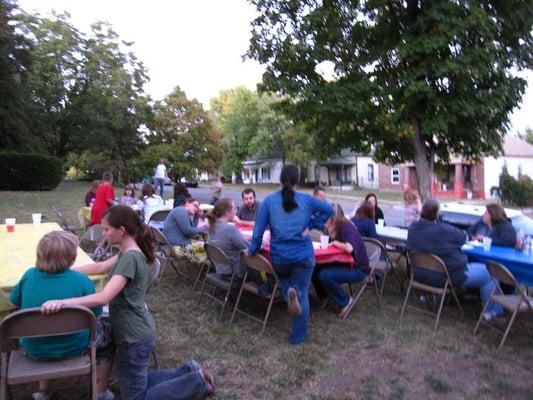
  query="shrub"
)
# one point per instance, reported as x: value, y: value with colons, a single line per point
x: 515, y: 192
x: 22, y: 171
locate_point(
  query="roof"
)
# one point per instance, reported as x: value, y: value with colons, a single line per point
x: 515, y: 147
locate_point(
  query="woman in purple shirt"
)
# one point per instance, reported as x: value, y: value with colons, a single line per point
x: 329, y: 278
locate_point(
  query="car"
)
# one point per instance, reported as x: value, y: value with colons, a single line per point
x: 464, y: 215
x: 190, y: 183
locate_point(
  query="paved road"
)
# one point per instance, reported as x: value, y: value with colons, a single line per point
x: 394, y: 215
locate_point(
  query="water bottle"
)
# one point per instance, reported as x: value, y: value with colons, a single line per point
x: 527, y: 245
x: 520, y: 239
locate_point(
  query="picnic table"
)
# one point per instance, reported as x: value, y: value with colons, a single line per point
x: 18, y: 253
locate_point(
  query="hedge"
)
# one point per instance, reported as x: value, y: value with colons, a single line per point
x: 22, y: 171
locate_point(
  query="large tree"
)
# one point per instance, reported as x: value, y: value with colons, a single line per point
x: 416, y: 80
x: 182, y: 132
x: 16, y: 107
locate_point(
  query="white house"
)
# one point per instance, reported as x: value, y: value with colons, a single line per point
x: 517, y: 156
x: 261, y: 171
x: 344, y: 171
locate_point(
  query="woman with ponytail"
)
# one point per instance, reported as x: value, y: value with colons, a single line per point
x: 226, y: 236
x: 290, y: 215
x: 132, y: 324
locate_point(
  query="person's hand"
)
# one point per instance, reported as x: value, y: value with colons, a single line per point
x: 52, y: 306
x: 305, y: 232
x: 237, y: 220
x: 245, y: 252
x: 479, y: 238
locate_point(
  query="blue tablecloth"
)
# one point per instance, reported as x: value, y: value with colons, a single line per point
x: 516, y: 261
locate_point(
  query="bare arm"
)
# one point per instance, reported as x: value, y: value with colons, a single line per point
x: 115, y: 285
x: 101, y: 267
x: 347, y: 247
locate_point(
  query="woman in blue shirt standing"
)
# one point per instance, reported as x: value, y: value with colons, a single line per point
x: 290, y: 215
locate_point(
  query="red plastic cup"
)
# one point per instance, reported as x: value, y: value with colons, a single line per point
x: 10, y: 224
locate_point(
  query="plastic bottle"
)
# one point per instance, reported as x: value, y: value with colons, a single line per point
x: 528, y: 245
x: 520, y: 235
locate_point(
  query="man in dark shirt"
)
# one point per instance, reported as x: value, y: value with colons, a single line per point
x: 444, y: 240
x: 248, y: 210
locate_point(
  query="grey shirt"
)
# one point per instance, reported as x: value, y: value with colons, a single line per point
x: 229, y: 239
x: 247, y: 214
x: 178, y: 227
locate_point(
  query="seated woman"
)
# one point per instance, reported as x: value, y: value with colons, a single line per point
x: 149, y: 202
x: 181, y: 193
x: 501, y: 231
x: 364, y: 220
x: 226, y: 236
x: 52, y: 278
x: 373, y: 200
x: 328, y: 279
x: 179, y: 228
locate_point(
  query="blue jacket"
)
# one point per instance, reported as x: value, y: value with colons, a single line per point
x: 289, y: 242
x: 443, y: 240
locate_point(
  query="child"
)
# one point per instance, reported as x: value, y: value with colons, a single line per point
x: 149, y: 202
x: 105, y: 198
x: 128, y: 197
x: 90, y: 196
x: 133, y: 325
x: 52, y: 278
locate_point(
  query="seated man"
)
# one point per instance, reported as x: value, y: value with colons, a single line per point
x: 319, y: 193
x: 179, y: 227
x: 430, y: 235
x: 248, y: 211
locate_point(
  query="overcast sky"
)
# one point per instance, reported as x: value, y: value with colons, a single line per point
x: 195, y: 44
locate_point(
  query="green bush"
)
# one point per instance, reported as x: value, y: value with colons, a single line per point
x: 515, y: 192
x: 21, y: 171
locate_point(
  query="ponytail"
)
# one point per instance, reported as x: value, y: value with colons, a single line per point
x: 134, y: 225
x: 289, y: 178
x: 222, y: 206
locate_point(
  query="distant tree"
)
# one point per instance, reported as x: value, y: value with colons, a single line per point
x: 16, y: 107
x: 182, y: 132
x: 527, y: 135
x: 416, y: 80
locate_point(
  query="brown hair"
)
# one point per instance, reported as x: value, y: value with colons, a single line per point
x: 108, y: 176
x: 125, y: 216
x: 56, y: 251
x: 222, y: 206
x: 147, y: 190
x: 94, y: 185
x: 129, y: 187
x: 336, y: 220
x: 366, y: 211
x: 497, y: 214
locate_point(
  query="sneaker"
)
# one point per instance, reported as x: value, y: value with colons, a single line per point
x: 107, y: 395
x: 208, y: 378
x: 293, y: 304
x: 346, y: 309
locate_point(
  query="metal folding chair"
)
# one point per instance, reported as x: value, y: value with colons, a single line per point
x: 517, y: 303
x: 258, y: 263
x: 31, y: 323
x: 217, y: 257
x: 430, y: 262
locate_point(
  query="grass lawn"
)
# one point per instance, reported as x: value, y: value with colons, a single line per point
x: 371, y: 355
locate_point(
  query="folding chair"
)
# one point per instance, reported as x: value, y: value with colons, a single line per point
x: 31, y: 323
x: 374, y: 249
x: 258, y: 263
x: 95, y: 235
x: 158, y: 218
x: 64, y: 223
x: 154, y: 278
x: 430, y: 262
x: 166, y: 253
x: 217, y: 257
x: 520, y: 302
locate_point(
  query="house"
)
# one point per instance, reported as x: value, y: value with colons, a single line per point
x: 462, y: 178
x: 344, y: 171
x: 261, y: 171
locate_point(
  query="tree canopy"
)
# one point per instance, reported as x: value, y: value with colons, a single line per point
x: 414, y: 80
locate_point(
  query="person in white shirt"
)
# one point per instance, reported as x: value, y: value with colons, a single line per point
x: 149, y: 202
x: 160, y: 175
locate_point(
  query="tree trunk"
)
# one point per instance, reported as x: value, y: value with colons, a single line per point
x: 422, y: 161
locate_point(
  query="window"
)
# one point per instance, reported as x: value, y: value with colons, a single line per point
x: 395, y: 176
x: 370, y: 172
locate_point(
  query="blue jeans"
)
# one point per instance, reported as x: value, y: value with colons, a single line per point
x: 159, y: 182
x: 136, y: 383
x: 297, y: 276
x: 333, y: 276
x: 477, y: 276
